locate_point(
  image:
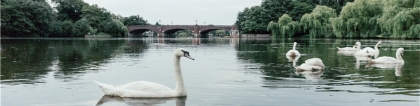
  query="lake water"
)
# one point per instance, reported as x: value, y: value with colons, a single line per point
x: 244, y: 72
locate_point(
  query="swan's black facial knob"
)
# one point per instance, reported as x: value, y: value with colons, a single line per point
x: 187, y: 55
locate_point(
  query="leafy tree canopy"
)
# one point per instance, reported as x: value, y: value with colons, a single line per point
x: 21, y: 18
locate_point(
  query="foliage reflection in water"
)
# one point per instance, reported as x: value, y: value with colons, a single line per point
x: 226, y: 72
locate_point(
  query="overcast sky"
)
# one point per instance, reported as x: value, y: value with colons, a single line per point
x: 179, y: 12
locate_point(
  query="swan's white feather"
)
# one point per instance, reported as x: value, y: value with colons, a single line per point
x: 368, y: 49
x: 386, y: 60
x: 311, y: 64
x: 347, y: 49
x: 137, y: 89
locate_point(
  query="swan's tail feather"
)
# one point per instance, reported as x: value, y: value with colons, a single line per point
x: 107, y: 89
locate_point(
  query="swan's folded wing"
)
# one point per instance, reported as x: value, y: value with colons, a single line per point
x: 315, y: 62
x: 145, y: 86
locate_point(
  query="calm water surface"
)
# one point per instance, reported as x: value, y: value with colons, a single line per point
x: 59, y: 72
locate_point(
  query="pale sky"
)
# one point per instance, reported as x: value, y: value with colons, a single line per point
x: 179, y: 12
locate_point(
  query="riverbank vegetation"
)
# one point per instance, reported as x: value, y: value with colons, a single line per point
x: 333, y: 18
x: 64, y: 18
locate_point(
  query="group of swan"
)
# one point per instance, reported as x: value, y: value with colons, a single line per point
x: 316, y: 64
x: 380, y: 62
x: 144, y: 89
x: 369, y: 52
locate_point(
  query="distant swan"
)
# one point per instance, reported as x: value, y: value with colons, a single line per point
x: 312, y: 64
x: 144, y: 89
x: 376, y: 50
x: 389, y: 60
x: 293, y: 52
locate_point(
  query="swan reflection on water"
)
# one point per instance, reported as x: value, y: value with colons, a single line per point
x: 293, y: 59
x: 106, y: 99
x: 397, y: 67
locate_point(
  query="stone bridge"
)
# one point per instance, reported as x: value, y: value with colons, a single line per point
x: 197, y: 30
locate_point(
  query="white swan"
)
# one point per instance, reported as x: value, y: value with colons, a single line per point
x: 144, y: 89
x: 376, y: 50
x: 359, y: 52
x: 293, y: 52
x: 312, y: 64
x: 389, y: 60
x: 346, y: 53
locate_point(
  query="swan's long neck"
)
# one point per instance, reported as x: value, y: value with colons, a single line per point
x: 376, y: 46
x: 358, y: 47
x: 294, y: 46
x: 398, y: 55
x: 179, y: 88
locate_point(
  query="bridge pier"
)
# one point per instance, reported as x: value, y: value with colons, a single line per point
x: 234, y: 33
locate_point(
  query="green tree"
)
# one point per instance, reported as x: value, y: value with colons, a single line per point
x: 401, y: 18
x: 55, y: 29
x: 69, y: 9
x: 114, y: 27
x: 299, y: 9
x: 276, y: 8
x: 67, y: 28
x: 95, y: 15
x: 25, y: 18
x: 253, y: 20
x: 81, y: 28
x: 358, y: 19
x: 285, y: 27
x: 134, y: 20
x: 318, y: 22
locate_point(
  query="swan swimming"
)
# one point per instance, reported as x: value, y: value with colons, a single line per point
x: 354, y: 48
x: 389, y: 60
x: 376, y: 50
x: 312, y: 64
x: 347, y: 48
x: 144, y: 89
x: 359, y: 52
x: 293, y: 52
